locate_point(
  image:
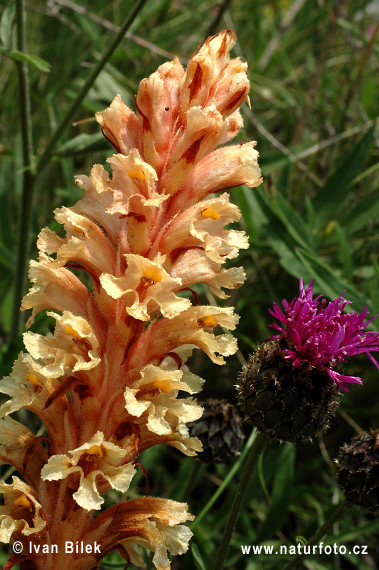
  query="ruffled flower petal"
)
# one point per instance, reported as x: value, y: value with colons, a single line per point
x: 55, y: 288
x: 21, y: 512
x: 145, y: 288
x: 120, y: 125
x: 153, y: 523
x: 202, y: 225
x: 27, y: 387
x: 73, y: 347
x: 194, y: 326
x: 95, y: 459
x: 194, y: 266
x: 155, y: 394
x: 223, y: 168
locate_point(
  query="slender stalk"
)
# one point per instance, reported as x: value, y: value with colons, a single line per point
x: 67, y: 119
x: 319, y: 534
x: 259, y: 444
x: 193, y: 475
x: 23, y: 70
x: 214, y: 26
x: 225, y: 482
x: 354, y: 83
x: 30, y: 170
x: 23, y: 246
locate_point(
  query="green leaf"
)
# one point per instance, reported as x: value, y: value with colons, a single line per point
x: 197, y: 557
x: 6, y: 305
x: 6, y: 25
x: 82, y: 143
x: 345, y: 250
x: 7, y: 258
x: 6, y: 210
x: 120, y: 565
x: 38, y: 62
x: 355, y: 561
x: 4, y: 556
x: 330, y: 198
x: 281, y: 215
x: 261, y: 476
x: 281, y: 494
x: 272, y: 162
x: 355, y: 532
x: 244, y: 202
x: 293, y: 221
x: 111, y: 81
x: 279, y: 237
x: 327, y: 282
x: 360, y: 215
x: 368, y: 172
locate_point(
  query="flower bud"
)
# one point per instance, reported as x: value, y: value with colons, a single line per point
x: 289, y: 389
x: 287, y: 403
x: 219, y: 430
x: 358, y: 470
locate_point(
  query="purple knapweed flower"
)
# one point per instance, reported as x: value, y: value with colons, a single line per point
x: 320, y: 334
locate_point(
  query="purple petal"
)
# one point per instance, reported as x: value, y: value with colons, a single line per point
x: 318, y: 332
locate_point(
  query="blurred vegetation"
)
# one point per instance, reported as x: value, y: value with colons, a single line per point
x: 314, y: 106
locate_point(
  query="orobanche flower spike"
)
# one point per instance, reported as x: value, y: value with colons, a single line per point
x: 105, y: 383
x: 290, y: 387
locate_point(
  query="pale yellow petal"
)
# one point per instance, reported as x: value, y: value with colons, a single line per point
x: 15, y: 513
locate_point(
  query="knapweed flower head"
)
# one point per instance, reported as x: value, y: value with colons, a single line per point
x: 358, y: 470
x: 289, y: 388
x: 219, y: 430
x: 110, y: 380
x: 321, y: 335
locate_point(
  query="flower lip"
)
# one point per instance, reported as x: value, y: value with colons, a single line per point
x: 21, y: 512
x: 319, y: 334
x: 95, y: 458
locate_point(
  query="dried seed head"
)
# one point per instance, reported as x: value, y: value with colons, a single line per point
x: 358, y: 470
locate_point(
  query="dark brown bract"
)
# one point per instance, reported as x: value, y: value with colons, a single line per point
x: 219, y: 430
x: 358, y: 470
x: 287, y: 403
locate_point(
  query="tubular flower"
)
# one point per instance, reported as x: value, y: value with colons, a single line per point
x: 322, y: 335
x: 106, y: 382
x: 21, y: 511
x: 290, y: 387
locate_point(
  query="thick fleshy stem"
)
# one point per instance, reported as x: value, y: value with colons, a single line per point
x: 336, y: 514
x: 120, y: 345
x: 259, y: 444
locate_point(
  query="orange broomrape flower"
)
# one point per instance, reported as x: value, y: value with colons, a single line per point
x: 105, y: 384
